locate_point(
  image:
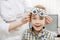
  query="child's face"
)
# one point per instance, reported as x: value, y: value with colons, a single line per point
x: 37, y: 22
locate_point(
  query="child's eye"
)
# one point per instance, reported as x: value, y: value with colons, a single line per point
x: 34, y: 18
x: 41, y: 18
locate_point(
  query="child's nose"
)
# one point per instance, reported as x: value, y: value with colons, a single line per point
x: 38, y: 21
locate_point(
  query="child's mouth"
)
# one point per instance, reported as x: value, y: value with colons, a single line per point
x: 37, y: 25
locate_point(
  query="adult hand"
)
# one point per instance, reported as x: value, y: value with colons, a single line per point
x: 25, y: 18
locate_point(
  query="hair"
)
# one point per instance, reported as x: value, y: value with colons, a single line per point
x: 40, y: 7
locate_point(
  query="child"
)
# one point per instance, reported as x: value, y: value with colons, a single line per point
x: 38, y: 21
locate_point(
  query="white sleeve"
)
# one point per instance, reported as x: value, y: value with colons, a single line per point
x: 4, y: 27
x: 9, y: 11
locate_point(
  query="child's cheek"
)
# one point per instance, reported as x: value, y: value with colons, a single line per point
x: 43, y: 22
x: 33, y: 21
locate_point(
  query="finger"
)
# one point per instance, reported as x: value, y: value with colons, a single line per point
x: 48, y: 21
x: 27, y: 16
x: 28, y: 19
x: 49, y: 18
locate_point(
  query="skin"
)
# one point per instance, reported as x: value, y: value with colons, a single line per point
x: 25, y: 19
x: 37, y: 22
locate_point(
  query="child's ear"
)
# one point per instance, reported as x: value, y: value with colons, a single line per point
x: 48, y: 20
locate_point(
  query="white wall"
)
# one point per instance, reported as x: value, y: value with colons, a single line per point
x: 58, y: 11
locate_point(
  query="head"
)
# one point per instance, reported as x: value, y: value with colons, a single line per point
x: 38, y: 21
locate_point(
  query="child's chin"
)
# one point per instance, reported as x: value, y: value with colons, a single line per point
x: 37, y: 29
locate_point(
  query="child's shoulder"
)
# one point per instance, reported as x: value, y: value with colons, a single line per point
x: 48, y: 31
x: 51, y: 33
